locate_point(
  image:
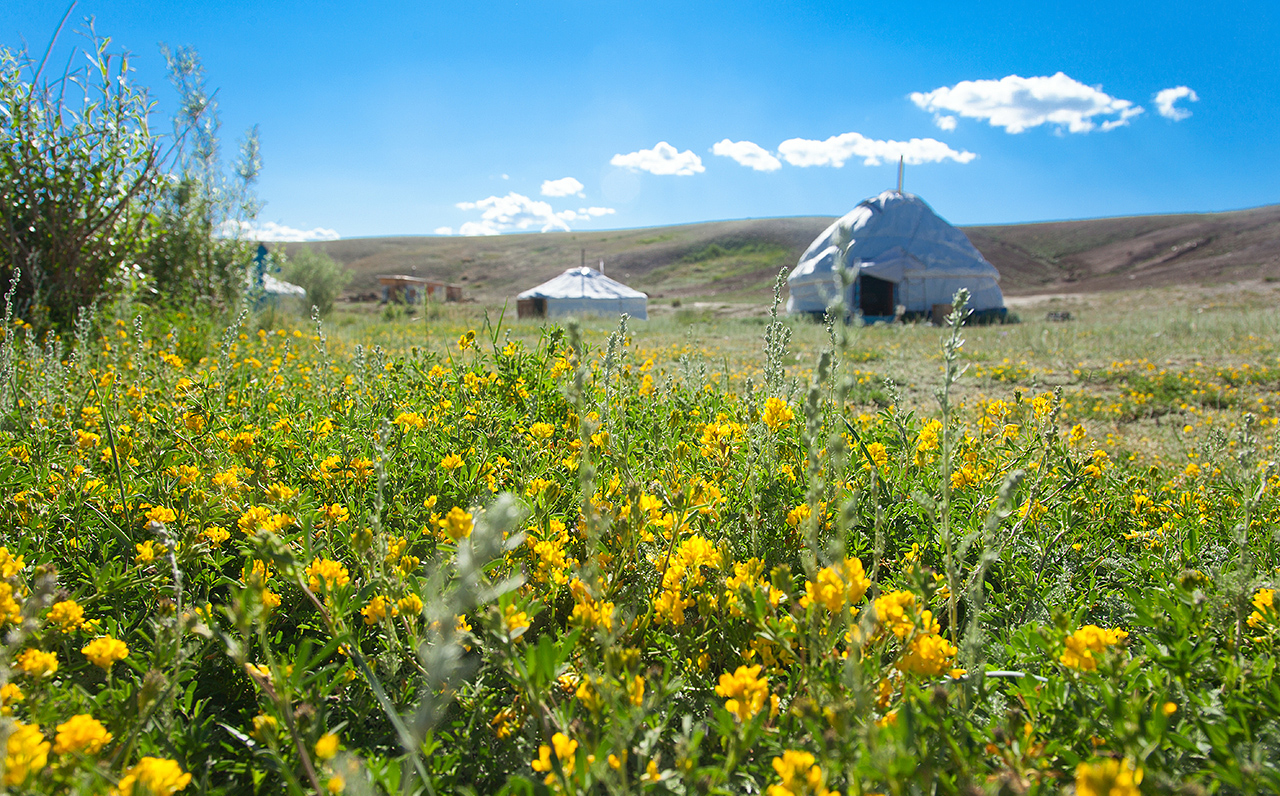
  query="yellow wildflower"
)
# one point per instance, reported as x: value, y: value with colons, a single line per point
x: 410, y: 605
x: 515, y: 621
x: 216, y: 536
x: 836, y: 586
x: 9, y: 694
x: 1108, y: 778
x: 67, y: 615
x: 776, y: 413
x: 242, y: 442
x: 798, y: 774
x: 895, y: 611
x: 105, y: 651
x: 331, y: 573
x: 81, y: 734
x: 37, y: 663
x: 153, y: 776
x: 146, y: 552
x: 408, y: 420
x: 264, y: 726
x: 327, y: 746
x: 87, y: 440
x: 161, y: 514
x: 280, y: 492
x: 1264, y: 607
x: 1090, y: 640
x: 929, y: 439
x: 746, y: 691
x: 929, y: 654
x: 377, y: 610
x: 798, y: 515
x: 26, y: 753
x: 457, y: 524
x: 10, y: 566
x: 877, y: 455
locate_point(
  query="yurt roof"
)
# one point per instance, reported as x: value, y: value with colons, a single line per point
x: 580, y: 283
x: 897, y: 227
x: 278, y: 287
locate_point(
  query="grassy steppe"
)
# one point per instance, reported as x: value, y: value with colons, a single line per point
x: 1102, y: 359
x: 736, y: 260
x: 450, y: 554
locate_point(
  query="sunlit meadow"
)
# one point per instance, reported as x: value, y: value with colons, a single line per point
x: 446, y: 551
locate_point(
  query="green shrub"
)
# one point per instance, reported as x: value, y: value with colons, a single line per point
x: 78, y: 168
x: 322, y: 277
x: 94, y: 207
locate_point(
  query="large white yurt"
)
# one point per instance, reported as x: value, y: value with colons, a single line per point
x: 582, y: 291
x: 901, y: 254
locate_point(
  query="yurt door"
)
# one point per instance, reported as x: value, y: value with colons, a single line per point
x: 875, y: 296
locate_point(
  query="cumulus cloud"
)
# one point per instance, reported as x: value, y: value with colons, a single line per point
x: 663, y: 159
x: 1166, y: 98
x: 1019, y: 103
x: 510, y: 213
x: 947, y: 123
x: 747, y: 153
x: 270, y: 231
x: 585, y: 213
x: 565, y: 186
x: 515, y: 213
x: 838, y: 148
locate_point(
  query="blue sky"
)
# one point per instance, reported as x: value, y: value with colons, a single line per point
x: 382, y: 118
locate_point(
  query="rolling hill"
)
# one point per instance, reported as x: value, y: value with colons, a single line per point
x: 738, y: 260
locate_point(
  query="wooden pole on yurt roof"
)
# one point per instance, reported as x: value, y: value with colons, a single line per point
x: 900, y: 164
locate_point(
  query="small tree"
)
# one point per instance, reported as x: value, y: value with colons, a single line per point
x: 91, y: 204
x: 322, y: 277
x: 193, y: 250
x: 78, y: 169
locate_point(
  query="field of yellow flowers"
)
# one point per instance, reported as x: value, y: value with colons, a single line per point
x: 258, y: 561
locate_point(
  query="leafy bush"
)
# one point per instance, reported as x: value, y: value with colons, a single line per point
x: 79, y: 168
x: 92, y: 205
x: 193, y: 253
x: 322, y: 277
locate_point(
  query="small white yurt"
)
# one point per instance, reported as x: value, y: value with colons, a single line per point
x: 901, y: 254
x: 582, y: 291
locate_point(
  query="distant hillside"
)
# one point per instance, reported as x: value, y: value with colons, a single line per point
x: 1138, y: 251
x: 736, y: 260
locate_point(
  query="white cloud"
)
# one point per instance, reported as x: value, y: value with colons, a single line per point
x: 662, y: 159
x: 585, y: 213
x: 837, y: 149
x: 565, y: 186
x: 271, y: 231
x: 1018, y: 103
x: 509, y: 213
x: 1166, y: 98
x: 947, y: 123
x: 748, y: 154
x: 514, y: 213
x: 473, y: 229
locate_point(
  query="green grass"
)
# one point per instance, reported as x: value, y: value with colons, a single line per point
x: 502, y: 556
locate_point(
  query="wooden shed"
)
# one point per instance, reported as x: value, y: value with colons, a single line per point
x: 413, y: 290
